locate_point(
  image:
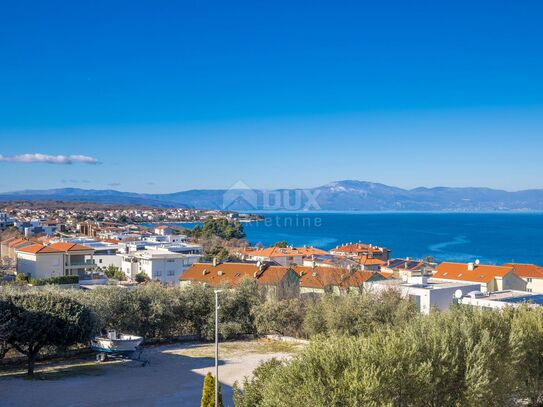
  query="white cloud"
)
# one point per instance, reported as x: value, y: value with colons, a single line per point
x: 49, y: 159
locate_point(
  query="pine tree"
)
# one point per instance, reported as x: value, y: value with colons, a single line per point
x: 208, y: 392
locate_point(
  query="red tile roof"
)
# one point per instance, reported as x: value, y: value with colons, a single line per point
x: 320, y: 277
x: 39, y: 248
x: 233, y: 273
x: 70, y: 247
x: 271, y: 252
x: 480, y: 273
x: 358, y: 248
x: 526, y: 270
x: 370, y: 261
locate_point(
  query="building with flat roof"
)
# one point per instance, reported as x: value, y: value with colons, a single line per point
x: 425, y: 292
x: 501, y: 299
x: 158, y: 264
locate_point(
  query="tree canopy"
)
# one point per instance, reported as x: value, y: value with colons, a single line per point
x: 40, y: 319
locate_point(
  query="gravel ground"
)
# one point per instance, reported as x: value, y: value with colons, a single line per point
x: 173, y: 377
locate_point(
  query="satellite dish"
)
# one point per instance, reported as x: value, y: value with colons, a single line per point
x: 477, y: 262
x: 458, y: 294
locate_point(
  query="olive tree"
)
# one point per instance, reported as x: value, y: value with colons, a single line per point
x: 41, y: 319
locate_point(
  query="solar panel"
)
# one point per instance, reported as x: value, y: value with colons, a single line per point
x: 396, y: 262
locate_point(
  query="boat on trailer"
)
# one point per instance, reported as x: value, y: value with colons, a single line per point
x: 113, y: 344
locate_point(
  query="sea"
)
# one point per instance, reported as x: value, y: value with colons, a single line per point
x: 493, y: 238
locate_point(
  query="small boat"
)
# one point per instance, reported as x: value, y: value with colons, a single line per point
x: 114, y: 344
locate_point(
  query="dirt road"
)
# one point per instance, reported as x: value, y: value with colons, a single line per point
x: 173, y: 377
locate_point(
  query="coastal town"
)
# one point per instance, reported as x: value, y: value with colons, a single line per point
x: 82, y: 248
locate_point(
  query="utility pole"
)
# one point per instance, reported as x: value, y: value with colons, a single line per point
x: 217, y: 347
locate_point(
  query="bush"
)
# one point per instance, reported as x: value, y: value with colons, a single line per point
x: 465, y: 357
x: 21, y: 277
x: 280, y: 317
x: 208, y: 392
x: 142, y: 278
x: 55, y: 280
x: 357, y: 314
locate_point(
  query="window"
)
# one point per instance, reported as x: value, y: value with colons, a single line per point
x: 100, y: 261
x: 171, y: 272
x: 157, y: 273
x: 170, y: 260
x: 529, y: 279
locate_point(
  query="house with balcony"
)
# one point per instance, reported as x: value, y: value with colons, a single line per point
x: 158, y: 263
x: 55, y: 260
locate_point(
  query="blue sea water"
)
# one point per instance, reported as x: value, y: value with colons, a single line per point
x: 493, y: 238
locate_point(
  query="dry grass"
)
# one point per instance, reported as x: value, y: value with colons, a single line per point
x: 238, y: 348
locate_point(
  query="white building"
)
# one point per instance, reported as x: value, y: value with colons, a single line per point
x: 55, y: 260
x: 6, y: 221
x: 158, y: 264
x: 105, y: 253
x: 164, y: 230
x: 35, y: 227
x: 426, y: 292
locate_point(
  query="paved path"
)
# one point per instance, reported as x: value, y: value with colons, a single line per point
x: 170, y: 379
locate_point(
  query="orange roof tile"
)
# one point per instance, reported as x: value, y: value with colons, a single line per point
x: 359, y: 277
x: 480, y: 273
x: 39, y: 248
x: 271, y: 252
x: 320, y: 277
x: 69, y: 247
x: 526, y: 270
x: 370, y: 261
x: 358, y: 248
x: 232, y: 274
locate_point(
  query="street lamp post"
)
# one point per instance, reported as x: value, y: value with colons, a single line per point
x: 217, y: 347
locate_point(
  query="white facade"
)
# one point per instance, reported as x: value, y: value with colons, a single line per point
x: 55, y: 264
x: 158, y: 264
x: 426, y: 293
x: 40, y: 266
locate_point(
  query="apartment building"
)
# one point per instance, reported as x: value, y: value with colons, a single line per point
x: 54, y: 260
x: 158, y: 264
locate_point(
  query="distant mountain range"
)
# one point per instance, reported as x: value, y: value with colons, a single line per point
x: 336, y: 196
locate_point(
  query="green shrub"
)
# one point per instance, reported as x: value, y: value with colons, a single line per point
x: 142, y: 278
x: 21, y: 277
x: 55, y: 280
x: 208, y: 392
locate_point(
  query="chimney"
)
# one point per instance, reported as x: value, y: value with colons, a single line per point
x: 215, y: 262
x: 471, y: 266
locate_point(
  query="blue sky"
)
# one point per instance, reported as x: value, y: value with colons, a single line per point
x: 168, y: 96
